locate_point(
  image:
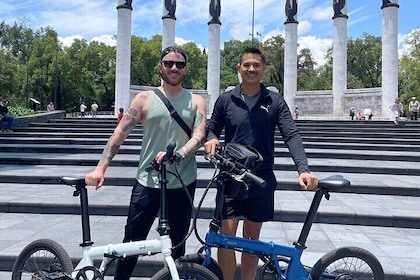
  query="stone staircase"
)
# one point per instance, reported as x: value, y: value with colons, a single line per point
x: 379, y: 211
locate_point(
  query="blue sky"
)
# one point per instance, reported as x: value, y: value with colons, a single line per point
x: 97, y: 19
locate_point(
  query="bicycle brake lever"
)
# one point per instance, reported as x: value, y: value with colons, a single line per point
x: 153, y: 166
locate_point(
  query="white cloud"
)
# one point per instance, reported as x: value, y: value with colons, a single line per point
x: 67, y: 41
x: 317, y: 46
x: 304, y: 27
x: 109, y: 40
x: 321, y: 13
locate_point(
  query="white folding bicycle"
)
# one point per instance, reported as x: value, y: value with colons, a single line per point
x: 46, y: 259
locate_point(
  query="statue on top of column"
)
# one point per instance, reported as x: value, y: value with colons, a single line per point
x: 388, y: 3
x: 170, y: 6
x: 214, y: 10
x: 126, y: 5
x: 290, y: 9
x: 338, y: 5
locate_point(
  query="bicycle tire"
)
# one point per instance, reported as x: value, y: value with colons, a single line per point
x: 186, y: 270
x: 348, y: 263
x: 213, y: 266
x: 40, y: 257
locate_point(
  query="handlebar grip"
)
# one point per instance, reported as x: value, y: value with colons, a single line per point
x: 259, y: 181
x: 170, y: 151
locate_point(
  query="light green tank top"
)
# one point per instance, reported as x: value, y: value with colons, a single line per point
x: 159, y: 130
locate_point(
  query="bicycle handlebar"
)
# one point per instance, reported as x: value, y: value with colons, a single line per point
x: 169, y: 151
x: 239, y: 170
x: 169, y: 156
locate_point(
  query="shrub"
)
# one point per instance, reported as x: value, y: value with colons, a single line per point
x: 20, y: 111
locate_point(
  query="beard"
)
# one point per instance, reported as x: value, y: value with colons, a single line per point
x: 173, y: 80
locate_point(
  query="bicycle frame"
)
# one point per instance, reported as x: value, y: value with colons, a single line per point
x: 110, y: 252
x: 269, y: 251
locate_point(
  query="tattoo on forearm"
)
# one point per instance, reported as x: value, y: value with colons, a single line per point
x: 197, y: 140
x: 108, y: 153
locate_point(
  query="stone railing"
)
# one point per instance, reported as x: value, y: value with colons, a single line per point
x: 23, y: 121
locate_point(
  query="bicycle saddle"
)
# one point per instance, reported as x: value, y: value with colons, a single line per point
x: 72, y: 181
x: 333, y: 183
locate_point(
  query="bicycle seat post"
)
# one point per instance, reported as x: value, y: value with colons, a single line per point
x: 309, y: 220
x: 84, y: 211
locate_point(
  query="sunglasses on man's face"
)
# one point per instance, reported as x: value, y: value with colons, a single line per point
x: 178, y: 64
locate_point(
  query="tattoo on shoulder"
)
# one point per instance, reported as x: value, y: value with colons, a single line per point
x: 144, y: 94
x: 129, y: 119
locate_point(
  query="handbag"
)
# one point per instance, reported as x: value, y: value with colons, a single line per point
x: 173, y: 112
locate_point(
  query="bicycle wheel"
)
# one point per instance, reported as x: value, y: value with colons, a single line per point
x: 42, y: 259
x: 186, y: 271
x: 348, y: 263
x: 213, y: 266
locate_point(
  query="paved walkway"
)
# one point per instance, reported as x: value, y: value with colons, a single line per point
x: 379, y: 212
x: 398, y: 249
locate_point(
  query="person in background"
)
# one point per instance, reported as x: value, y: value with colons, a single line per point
x: 413, y: 107
x: 368, y: 114
x: 4, y: 117
x: 50, y: 106
x: 352, y: 113
x: 249, y: 115
x: 82, y: 109
x: 94, y: 108
x: 120, y: 115
x: 147, y: 108
x: 397, y: 110
x: 297, y: 113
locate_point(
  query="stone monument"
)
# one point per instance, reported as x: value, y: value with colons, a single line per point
x: 339, y: 80
x: 213, y: 64
x: 290, y: 53
x: 168, y: 23
x: 389, y: 54
x: 122, y: 76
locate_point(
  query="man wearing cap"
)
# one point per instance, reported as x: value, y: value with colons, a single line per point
x: 413, y: 107
x: 159, y: 129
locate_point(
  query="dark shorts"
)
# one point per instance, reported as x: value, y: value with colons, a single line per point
x: 255, y: 204
x: 254, y: 209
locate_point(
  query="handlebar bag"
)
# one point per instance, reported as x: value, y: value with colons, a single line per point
x: 244, y: 157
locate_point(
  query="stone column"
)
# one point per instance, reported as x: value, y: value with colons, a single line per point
x: 213, y: 64
x: 122, y: 75
x: 339, y: 79
x: 168, y: 23
x: 290, y: 54
x: 389, y: 54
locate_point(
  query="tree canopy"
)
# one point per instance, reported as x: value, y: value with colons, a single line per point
x: 34, y: 64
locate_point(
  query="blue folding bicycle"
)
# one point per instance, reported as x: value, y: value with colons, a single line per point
x: 280, y: 261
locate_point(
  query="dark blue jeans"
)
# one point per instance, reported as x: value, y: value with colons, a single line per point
x: 8, y: 120
x: 144, y: 206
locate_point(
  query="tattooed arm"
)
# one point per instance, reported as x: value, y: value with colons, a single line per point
x: 133, y: 115
x: 199, y: 129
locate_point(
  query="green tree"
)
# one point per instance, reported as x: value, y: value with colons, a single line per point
x: 274, y: 51
x: 145, y: 55
x: 42, y: 65
x: 196, y: 77
x: 409, y: 69
x: 17, y: 39
x: 8, y: 75
x: 364, y: 60
x: 305, y: 69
